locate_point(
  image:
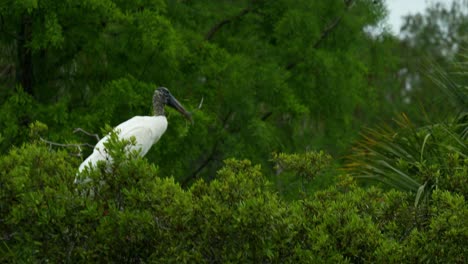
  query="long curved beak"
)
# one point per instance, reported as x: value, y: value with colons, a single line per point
x: 172, y: 102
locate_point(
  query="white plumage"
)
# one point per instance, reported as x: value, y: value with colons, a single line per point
x: 146, y: 130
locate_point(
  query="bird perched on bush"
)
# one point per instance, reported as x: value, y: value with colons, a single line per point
x: 146, y: 130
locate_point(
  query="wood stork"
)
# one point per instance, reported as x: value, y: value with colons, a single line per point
x: 147, y: 130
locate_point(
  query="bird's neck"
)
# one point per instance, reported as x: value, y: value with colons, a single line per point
x: 158, y: 104
x: 158, y: 108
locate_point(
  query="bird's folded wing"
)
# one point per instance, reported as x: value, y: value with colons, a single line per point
x: 144, y: 137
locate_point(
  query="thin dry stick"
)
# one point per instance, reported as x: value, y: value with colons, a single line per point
x: 201, y: 103
x: 66, y: 145
x: 86, y: 132
x: 78, y: 146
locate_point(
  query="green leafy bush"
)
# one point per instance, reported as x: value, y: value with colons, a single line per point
x: 128, y: 213
x: 443, y: 238
x: 306, y: 172
x: 36, y: 204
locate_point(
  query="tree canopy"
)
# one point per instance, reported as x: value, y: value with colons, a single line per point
x: 272, y: 76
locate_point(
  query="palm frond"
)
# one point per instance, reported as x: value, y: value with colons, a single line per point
x: 407, y: 157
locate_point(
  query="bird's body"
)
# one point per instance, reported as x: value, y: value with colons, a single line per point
x: 146, y: 130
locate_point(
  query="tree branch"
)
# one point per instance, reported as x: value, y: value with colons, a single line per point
x: 325, y: 32
x: 205, y: 163
x: 332, y: 25
x: 266, y: 116
x: 218, y: 26
x: 210, y: 157
x: 78, y: 146
x: 86, y: 132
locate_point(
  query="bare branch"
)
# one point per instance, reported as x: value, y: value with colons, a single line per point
x: 87, y: 133
x: 66, y: 145
x: 78, y: 146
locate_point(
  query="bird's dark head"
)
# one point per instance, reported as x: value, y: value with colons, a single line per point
x: 163, y: 97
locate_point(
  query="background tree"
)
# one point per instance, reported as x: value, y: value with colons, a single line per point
x: 432, y: 42
x: 277, y: 76
x: 425, y: 150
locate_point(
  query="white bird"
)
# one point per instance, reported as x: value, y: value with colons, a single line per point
x: 147, y: 130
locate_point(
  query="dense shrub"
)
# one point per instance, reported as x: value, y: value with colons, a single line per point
x: 127, y: 213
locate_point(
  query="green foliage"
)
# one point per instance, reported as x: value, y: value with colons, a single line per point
x: 306, y: 172
x: 307, y: 165
x: 260, y: 77
x: 237, y: 218
x: 36, y: 204
x: 412, y: 159
x: 447, y: 226
x: 434, y: 57
x: 419, y: 159
x: 276, y: 77
x: 36, y: 129
x: 342, y: 228
x: 15, y: 113
x: 127, y: 213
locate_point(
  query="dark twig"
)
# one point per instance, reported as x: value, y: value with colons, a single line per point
x: 333, y: 25
x: 205, y: 163
x: 86, y: 132
x: 266, y: 116
x: 325, y: 32
x: 211, y: 156
x: 226, y: 21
